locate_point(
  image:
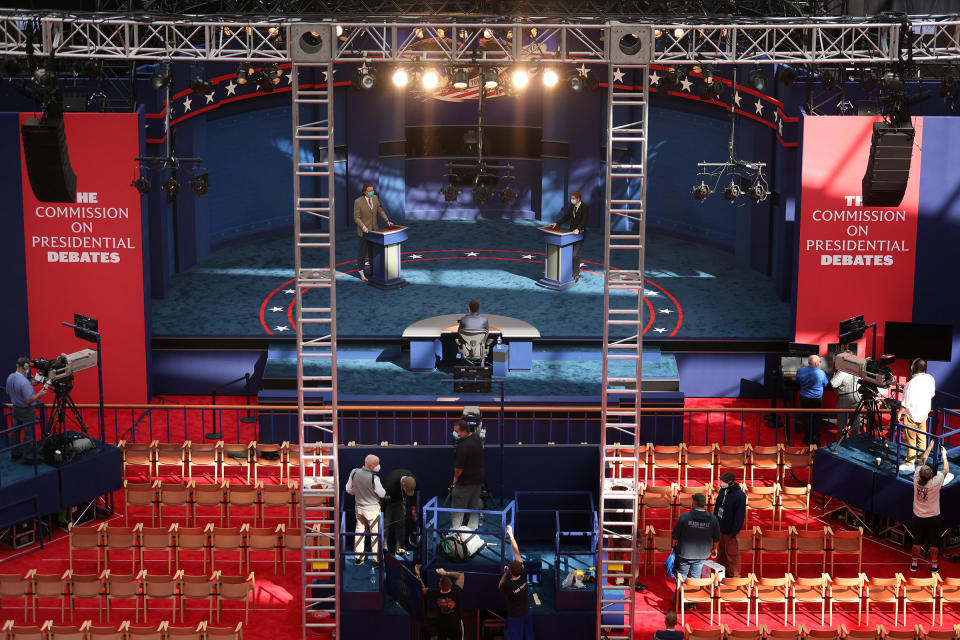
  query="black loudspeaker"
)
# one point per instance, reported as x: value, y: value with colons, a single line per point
x: 48, y: 162
x: 888, y: 170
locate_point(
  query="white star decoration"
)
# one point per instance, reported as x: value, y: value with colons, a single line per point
x: 415, y: 256
x: 289, y: 290
x: 186, y: 104
x: 736, y: 98
x: 282, y: 328
x: 583, y: 264
x: 528, y: 256
x: 780, y: 127
x: 289, y: 78
x: 666, y: 311
x: 327, y: 74
x: 686, y: 84
x: 654, y: 78
x: 582, y: 70
x: 617, y: 75
x: 776, y: 115
x: 472, y: 254
x: 231, y: 88
x: 210, y: 97
x: 276, y: 308
x: 759, y: 107
x: 650, y: 294
x: 660, y: 330
x: 364, y: 68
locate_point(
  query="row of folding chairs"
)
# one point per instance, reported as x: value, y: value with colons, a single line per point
x: 223, y: 496
x: 142, y: 587
x: 175, y: 540
x: 220, y: 456
x: 840, y: 632
x: 710, y: 459
x: 125, y: 631
x: 824, y: 590
x: 791, y: 542
x: 776, y: 499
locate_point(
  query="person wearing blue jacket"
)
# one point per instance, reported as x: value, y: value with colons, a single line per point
x: 730, y: 509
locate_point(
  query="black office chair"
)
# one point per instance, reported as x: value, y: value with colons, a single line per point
x: 473, y: 345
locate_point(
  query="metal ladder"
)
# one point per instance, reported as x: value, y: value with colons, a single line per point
x: 623, y: 324
x: 316, y: 335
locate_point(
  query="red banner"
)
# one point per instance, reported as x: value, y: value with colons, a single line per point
x: 853, y: 259
x: 87, y: 257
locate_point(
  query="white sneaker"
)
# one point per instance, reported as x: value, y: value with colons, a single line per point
x: 908, y: 466
x: 947, y: 479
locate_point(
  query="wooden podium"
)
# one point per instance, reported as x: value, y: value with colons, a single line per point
x: 386, y: 257
x: 558, y: 267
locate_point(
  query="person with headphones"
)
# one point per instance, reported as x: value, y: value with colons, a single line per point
x: 914, y: 408
x: 24, y: 400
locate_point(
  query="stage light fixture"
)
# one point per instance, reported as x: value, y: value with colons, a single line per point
x: 678, y: 33
x: 520, y: 79
x: 787, y: 75
x: 460, y: 79
x: 171, y: 186
x: 576, y: 81
x: 264, y: 81
x: 732, y: 192
x: 430, y: 79
x: 868, y: 81
x: 200, y: 184
x: 893, y: 82
x: 160, y: 78
x: 550, y: 78
x: 142, y: 185
x: 757, y: 192
x: 630, y: 44
x: 701, y: 191
x: 711, y: 91
x: 488, y: 34
x: 947, y: 86
x: 490, y: 79
x: 658, y: 33
x: 828, y: 79
x: 243, y: 71
x: 91, y: 69
x: 201, y: 85
x: 669, y: 78
x: 507, y: 195
x: 756, y: 78
x: 481, y: 194
x: 400, y: 77
x: 339, y: 30
x: 273, y: 71
x: 450, y: 193
x: 364, y: 80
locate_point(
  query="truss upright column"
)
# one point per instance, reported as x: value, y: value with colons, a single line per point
x: 316, y: 335
x: 623, y: 324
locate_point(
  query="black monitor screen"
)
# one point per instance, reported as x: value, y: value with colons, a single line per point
x: 917, y: 340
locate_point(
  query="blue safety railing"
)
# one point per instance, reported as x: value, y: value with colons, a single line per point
x: 492, y: 526
x: 28, y: 444
x: 348, y: 553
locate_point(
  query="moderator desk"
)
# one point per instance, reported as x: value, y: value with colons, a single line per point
x: 425, y: 345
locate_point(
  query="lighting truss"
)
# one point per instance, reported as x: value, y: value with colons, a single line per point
x: 772, y: 40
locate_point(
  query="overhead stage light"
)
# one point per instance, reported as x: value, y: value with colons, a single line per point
x: 200, y: 184
x: 160, y: 77
x: 507, y: 195
x: 460, y: 79
x: 701, y: 191
x: 481, y: 194
x: 450, y: 193
x: 364, y: 80
x: 868, y: 81
x: 787, y: 75
x: 520, y: 79
x: 678, y: 33
x: 400, y: 78
x: 243, y: 72
x: 669, y: 78
x: 828, y: 79
x: 550, y: 78
x: 576, y: 81
x: 757, y: 192
x: 490, y: 79
x: 710, y: 90
x: 171, y: 186
x: 142, y: 185
x: 200, y: 85
x: 732, y: 192
x: 757, y: 79
x: 430, y: 79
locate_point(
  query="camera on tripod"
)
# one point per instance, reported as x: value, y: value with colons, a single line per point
x: 873, y: 373
x: 49, y: 372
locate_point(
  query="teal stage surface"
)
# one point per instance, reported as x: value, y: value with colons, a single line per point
x: 695, y: 291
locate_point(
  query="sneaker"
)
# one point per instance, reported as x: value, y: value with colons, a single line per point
x: 947, y: 478
x: 908, y: 467
x: 359, y: 561
x: 913, y: 564
x: 935, y: 567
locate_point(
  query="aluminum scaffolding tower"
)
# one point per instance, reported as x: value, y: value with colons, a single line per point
x: 623, y: 324
x: 316, y: 335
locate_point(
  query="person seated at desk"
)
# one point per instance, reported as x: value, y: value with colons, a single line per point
x: 473, y: 321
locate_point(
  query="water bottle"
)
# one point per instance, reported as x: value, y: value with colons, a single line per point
x: 373, y: 575
x: 499, y: 340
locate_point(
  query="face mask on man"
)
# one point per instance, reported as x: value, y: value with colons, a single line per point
x: 456, y: 435
x: 370, y: 193
x: 376, y: 469
x: 573, y: 201
x: 724, y: 485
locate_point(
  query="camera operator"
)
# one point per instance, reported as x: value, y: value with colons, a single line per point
x: 468, y: 476
x: 847, y: 387
x: 812, y: 381
x: 914, y: 408
x: 21, y: 393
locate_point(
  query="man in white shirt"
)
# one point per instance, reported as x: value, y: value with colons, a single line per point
x: 927, y: 528
x: 364, y: 485
x: 914, y: 408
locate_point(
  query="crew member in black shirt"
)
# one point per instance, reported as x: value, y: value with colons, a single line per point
x: 669, y: 621
x: 400, y: 486
x: 467, y: 476
x: 447, y: 598
x: 513, y: 585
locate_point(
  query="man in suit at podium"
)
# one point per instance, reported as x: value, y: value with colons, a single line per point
x: 366, y: 209
x: 577, y: 214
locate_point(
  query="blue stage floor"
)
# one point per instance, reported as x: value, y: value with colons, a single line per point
x: 695, y: 291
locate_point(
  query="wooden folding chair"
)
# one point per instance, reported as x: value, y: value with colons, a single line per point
x: 662, y: 457
x: 50, y: 586
x: 156, y: 539
x: 278, y: 496
x: 122, y: 587
x: 14, y: 586
x: 772, y: 541
x: 174, y: 495
x: 695, y: 590
x: 765, y: 458
x: 773, y: 591
x: 847, y: 590
x: 810, y: 591
x: 120, y: 539
x: 226, y: 539
x: 84, y: 586
x: 236, y: 588
x: 203, y: 454
x: 136, y: 454
x: 171, y: 454
x: 160, y: 587
x: 795, y: 499
x: 207, y: 496
x: 241, y: 497
x: 139, y: 494
x: 85, y: 539
x: 699, y: 457
x: 812, y: 542
x: 921, y: 591
x: 763, y: 499
x: 267, y: 456
x: 237, y: 456
x: 734, y: 590
x: 847, y: 542
x: 652, y: 497
x: 198, y: 588
x: 264, y: 539
x: 882, y: 590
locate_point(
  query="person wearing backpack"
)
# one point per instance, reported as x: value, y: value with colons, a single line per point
x: 696, y: 536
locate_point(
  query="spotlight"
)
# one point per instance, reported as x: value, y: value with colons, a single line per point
x: 488, y: 34
x: 657, y: 33
x: 201, y: 86
x: 550, y: 78
x: 757, y: 192
x: 43, y: 77
x: 892, y: 81
x: 339, y: 31
x: 701, y: 191
x: 576, y: 81
x: 787, y: 75
x: 947, y: 86
x: 171, y: 186
x: 520, y: 79
x: 264, y: 81
x: 419, y: 33
x: 160, y: 78
x: 460, y: 79
x: 242, y: 73
x: 364, y: 80
x: 142, y: 185
x: 669, y: 78
x: 400, y: 77
x: 450, y: 193
x: 732, y: 192
x: 508, y: 195
x: 481, y: 194
x: 757, y: 80
x: 710, y: 91
x: 868, y: 81
x: 490, y: 80
x: 828, y: 79
x: 430, y: 79
x: 678, y: 33
x: 273, y: 71
x: 91, y: 69
x: 200, y: 184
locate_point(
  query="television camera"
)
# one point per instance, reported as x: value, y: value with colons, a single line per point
x: 57, y: 373
x: 874, y: 374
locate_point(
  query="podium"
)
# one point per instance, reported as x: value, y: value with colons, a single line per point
x: 558, y: 267
x: 386, y: 257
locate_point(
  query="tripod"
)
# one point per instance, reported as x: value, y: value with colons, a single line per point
x: 61, y: 404
x: 869, y: 413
